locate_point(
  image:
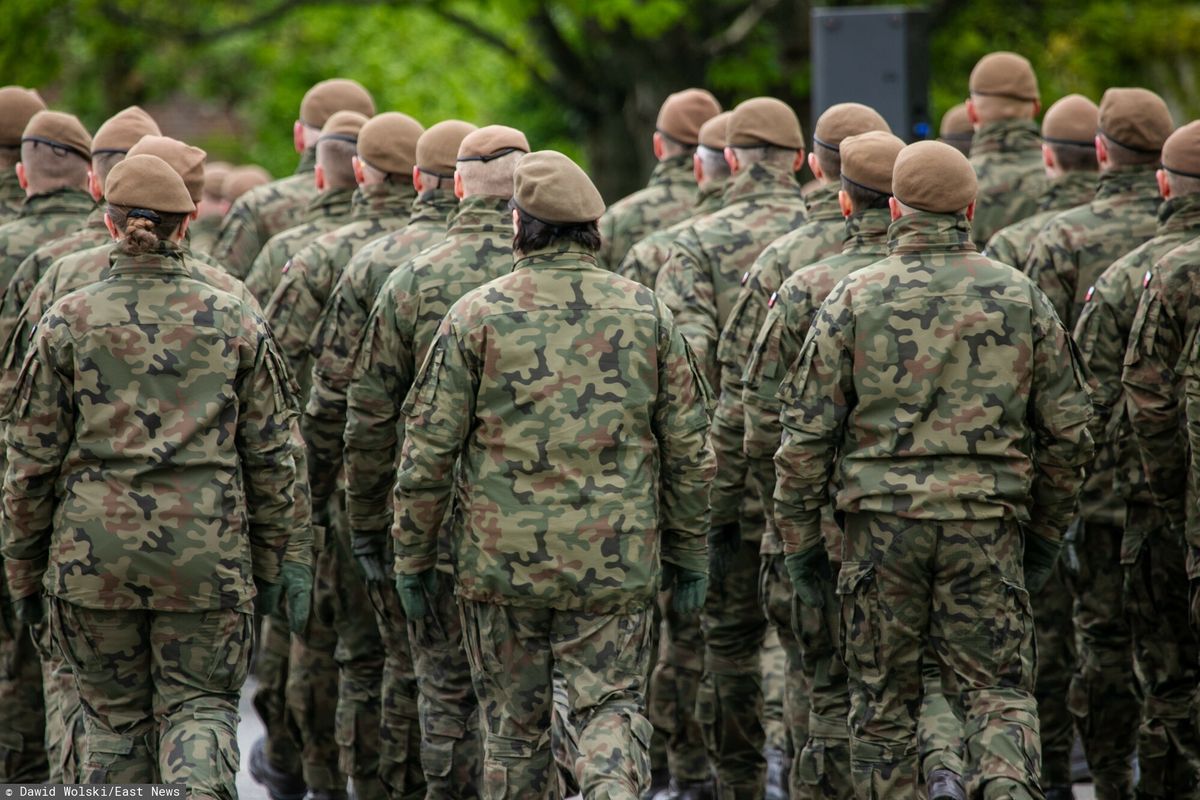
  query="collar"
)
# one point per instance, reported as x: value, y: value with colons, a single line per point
x: 95, y: 220
x: 924, y: 232
x: 383, y: 200
x: 709, y: 198
x: 760, y: 180
x: 167, y: 260
x: 434, y: 205
x: 60, y: 201
x: 480, y: 213
x: 1179, y: 214
x: 333, y: 202
x: 1136, y: 180
x: 564, y: 255
x: 867, y: 231
x: 308, y: 161
x: 1069, y: 190
x: 822, y: 202
x: 673, y: 171
x: 1006, y: 136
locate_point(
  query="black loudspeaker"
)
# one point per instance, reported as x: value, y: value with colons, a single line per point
x: 878, y: 56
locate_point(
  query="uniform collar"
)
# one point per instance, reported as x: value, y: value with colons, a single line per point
x: 308, y: 161
x: 673, y: 171
x: 481, y: 213
x: 761, y: 180
x: 709, y: 198
x: 1137, y: 180
x: 867, y: 231
x: 383, y: 200
x: 332, y: 202
x: 922, y: 232
x: 1069, y: 190
x: 167, y: 260
x: 95, y: 220
x: 434, y: 205
x: 1006, y: 136
x: 822, y: 202
x: 60, y: 201
x: 1179, y: 214
x: 564, y: 255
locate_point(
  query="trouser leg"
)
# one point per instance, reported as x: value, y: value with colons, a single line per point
x: 674, y: 683
x: 400, y: 729
x: 270, y: 698
x: 23, y: 757
x: 1055, y: 631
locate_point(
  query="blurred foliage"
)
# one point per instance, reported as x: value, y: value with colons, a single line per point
x: 579, y: 75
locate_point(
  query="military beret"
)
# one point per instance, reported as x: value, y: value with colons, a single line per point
x: 956, y: 126
x: 683, y: 113
x: 123, y: 130
x: 336, y: 94
x: 551, y: 187
x: 388, y: 142
x: 215, y: 173
x: 712, y: 133
x: 17, y: 107
x: 242, y: 179
x: 1137, y: 119
x: 1181, y: 153
x: 868, y: 159
x: 934, y: 177
x: 490, y: 142
x: 187, y: 161
x: 846, y: 119
x: 1071, y: 120
x: 343, y: 126
x: 1004, y: 74
x: 146, y: 181
x: 59, y: 130
x: 437, y: 149
x: 763, y: 121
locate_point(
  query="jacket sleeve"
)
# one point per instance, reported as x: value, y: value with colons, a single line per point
x: 296, y: 304
x: 1190, y: 375
x: 1052, y: 267
x: 239, y: 240
x: 685, y: 285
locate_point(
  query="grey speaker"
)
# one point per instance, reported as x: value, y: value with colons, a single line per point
x: 878, y: 56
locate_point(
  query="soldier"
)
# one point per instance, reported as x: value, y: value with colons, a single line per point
x: 213, y: 207
x: 241, y: 180
x: 282, y: 204
x: 1065, y: 260
x: 670, y: 197
x: 159, y: 647
x: 565, y: 584
x: 956, y: 129
x: 1164, y: 645
x: 1005, y: 151
x: 329, y: 210
x: 932, y: 559
x: 1069, y: 154
x: 17, y: 107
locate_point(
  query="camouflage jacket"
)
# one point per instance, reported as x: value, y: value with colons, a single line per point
x: 942, y: 385
x: 670, y: 197
x: 263, y: 212
x: 1102, y: 334
x: 1076, y: 246
x: 403, y: 325
x: 329, y: 211
x: 312, y: 272
x: 1007, y: 157
x: 151, y: 464
x: 648, y: 254
x: 43, y: 218
x: 12, y: 196
x: 777, y: 346
x: 203, y: 232
x: 581, y: 421
x: 1010, y: 245
x: 335, y: 340
x: 1190, y: 374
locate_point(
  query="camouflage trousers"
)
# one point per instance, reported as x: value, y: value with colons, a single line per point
x: 1166, y: 656
x: 674, y: 682
x: 953, y: 590
x: 271, y: 667
x: 1101, y: 697
x: 777, y: 736
x: 159, y: 693
x: 1056, y: 662
x: 940, y: 724
x: 604, y: 660
x: 776, y: 596
x: 729, y: 705
x: 22, y: 734
x: 451, y: 747
x: 64, y: 713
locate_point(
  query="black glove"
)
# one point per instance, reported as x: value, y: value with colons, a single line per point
x: 809, y: 571
x: 368, y: 551
x: 31, y: 611
x: 723, y: 543
x: 690, y: 588
x: 1040, y: 557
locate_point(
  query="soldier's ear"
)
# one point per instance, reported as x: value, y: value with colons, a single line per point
x: 1048, y: 156
x: 697, y: 167
x: 658, y: 145
x: 815, y: 166
x: 894, y: 207
x: 183, y: 227
x: 1101, y: 151
x: 798, y: 162
x: 319, y: 177
x: 94, y: 187
x: 732, y: 160
x: 972, y: 113
x: 21, y: 177
x: 112, y: 229
x: 971, y: 211
x: 298, y: 136
x: 844, y: 201
x: 359, y: 177
x: 458, y: 187
x: 1164, y: 184
x: 417, y: 180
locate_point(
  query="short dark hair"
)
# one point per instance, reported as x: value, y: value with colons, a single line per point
x: 862, y: 197
x: 535, y: 234
x: 829, y: 159
x: 1075, y: 157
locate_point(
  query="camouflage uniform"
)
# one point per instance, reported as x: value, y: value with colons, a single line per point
x: 203, y: 232
x: 670, y: 197
x: 159, y: 650
x: 700, y: 283
x: 1007, y: 157
x: 605, y: 360
x: 1065, y: 260
x: 1156, y: 604
x: 648, y: 254
x: 823, y: 769
x: 931, y: 557
x: 402, y: 328
x: 12, y: 196
x: 43, y: 218
x: 1011, y: 244
x: 262, y: 212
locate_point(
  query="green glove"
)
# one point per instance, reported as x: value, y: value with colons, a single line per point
x: 368, y: 552
x: 30, y: 610
x: 690, y: 586
x: 723, y: 543
x: 269, y: 594
x: 414, y: 591
x: 809, y: 571
x: 1040, y: 555
x: 297, y: 580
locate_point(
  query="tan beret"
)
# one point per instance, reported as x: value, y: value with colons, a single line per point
x: 712, y: 133
x: 146, y: 181
x: 215, y: 173
x: 329, y: 97
x: 1071, y: 120
x: 868, y: 159
x: 17, y: 107
x: 683, y: 113
x: 388, y: 142
x: 1004, y: 74
x: 343, y: 126
x: 490, y: 142
x: 437, y: 149
x: 846, y: 119
x: 934, y: 177
x: 956, y: 126
x: 59, y: 130
x: 1181, y: 153
x: 123, y: 130
x: 242, y: 179
x: 1137, y: 119
x: 764, y: 121
x: 551, y: 187
x: 186, y: 160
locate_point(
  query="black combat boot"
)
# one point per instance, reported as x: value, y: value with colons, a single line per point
x: 280, y: 785
x: 946, y: 785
